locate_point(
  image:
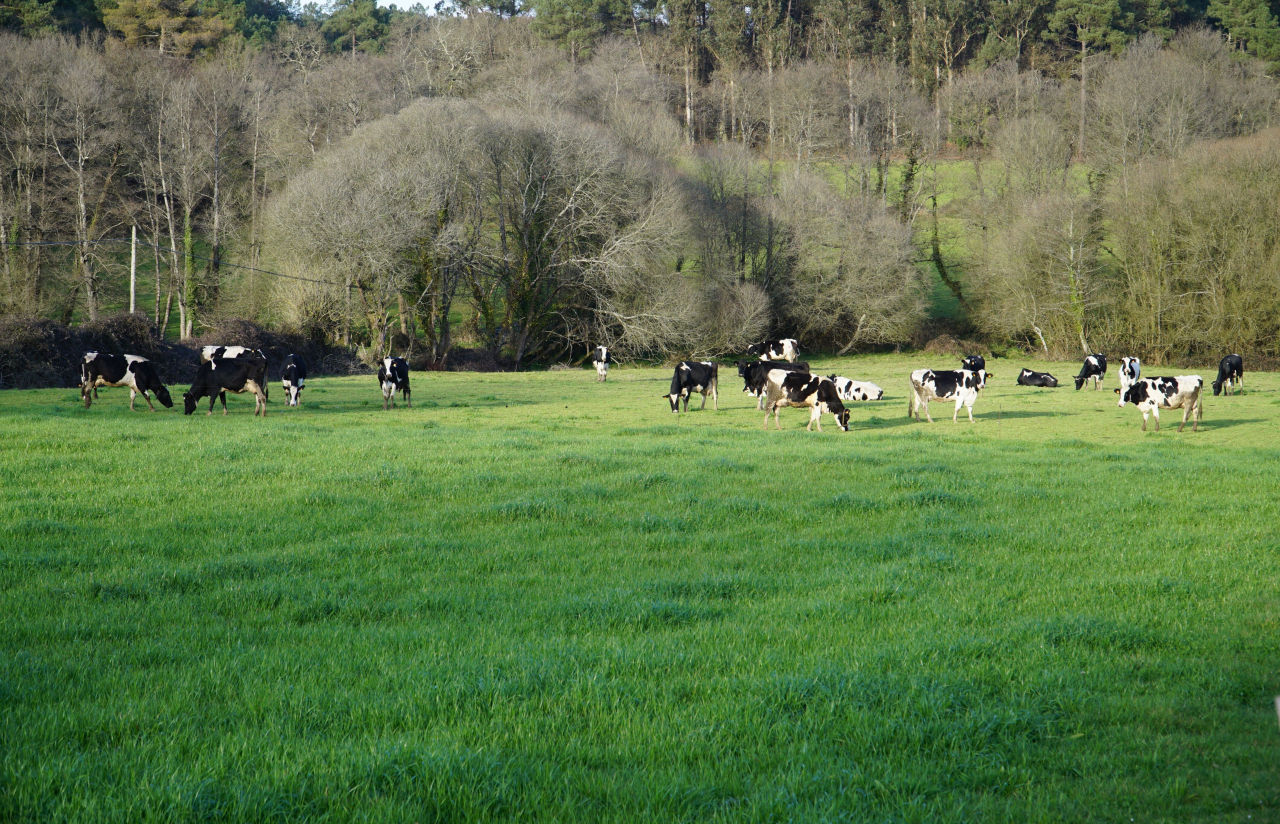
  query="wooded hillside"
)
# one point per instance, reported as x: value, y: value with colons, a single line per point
x: 666, y: 179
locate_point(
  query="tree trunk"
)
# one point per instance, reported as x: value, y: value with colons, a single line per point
x: 1083, y: 87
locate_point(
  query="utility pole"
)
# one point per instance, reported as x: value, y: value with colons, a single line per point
x: 133, y: 272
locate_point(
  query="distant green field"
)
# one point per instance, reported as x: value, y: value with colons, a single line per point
x: 532, y: 596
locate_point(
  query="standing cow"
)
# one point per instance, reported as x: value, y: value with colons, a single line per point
x: 755, y: 375
x: 690, y: 377
x: 959, y: 385
x: 787, y: 349
x: 817, y: 393
x: 600, y: 359
x: 1151, y: 395
x: 294, y: 377
x: 137, y: 373
x: 393, y: 376
x: 1095, y: 368
x: 1230, y: 374
x: 1130, y: 371
x: 217, y: 377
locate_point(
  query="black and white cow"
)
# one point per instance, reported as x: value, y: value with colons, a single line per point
x: 393, y: 376
x: 851, y: 390
x: 787, y: 349
x: 1230, y: 374
x: 799, y: 389
x: 690, y: 377
x: 959, y: 385
x: 1130, y: 371
x: 1028, y: 378
x: 600, y: 359
x: 217, y: 377
x: 139, y: 374
x: 1095, y: 367
x: 208, y: 353
x: 1151, y: 395
x: 755, y: 375
x: 294, y: 377
x: 974, y: 363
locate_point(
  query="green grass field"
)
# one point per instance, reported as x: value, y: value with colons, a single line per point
x: 536, y: 597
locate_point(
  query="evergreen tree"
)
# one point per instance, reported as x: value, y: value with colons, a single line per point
x: 357, y: 25
x: 1086, y: 25
x: 577, y: 24
x: 173, y: 26
x: 1250, y: 26
x: 29, y: 17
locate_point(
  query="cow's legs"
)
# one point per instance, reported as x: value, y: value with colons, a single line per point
x: 1186, y: 410
x: 223, y: 395
x: 815, y: 416
x: 956, y: 414
x: 212, y: 400
x: 87, y: 394
x: 1155, y: 412
x: 911, y: 404
x: 408, y: 400
x: 715, y: 394
x: 147, y: 398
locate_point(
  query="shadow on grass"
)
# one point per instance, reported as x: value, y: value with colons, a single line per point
x: 1224, y: 423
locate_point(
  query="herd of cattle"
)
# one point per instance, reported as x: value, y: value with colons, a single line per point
x: 777, y: 379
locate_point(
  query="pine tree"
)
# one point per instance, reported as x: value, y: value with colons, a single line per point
x: 1086, y: 25
x: 1251, y: 26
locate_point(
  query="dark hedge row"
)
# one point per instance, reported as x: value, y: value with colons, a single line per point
x: 36, y: 353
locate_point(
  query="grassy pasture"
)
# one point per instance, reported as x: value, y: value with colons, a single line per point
x: 537, y: 597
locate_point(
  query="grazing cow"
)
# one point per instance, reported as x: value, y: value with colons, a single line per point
x: 139, y: 374
x: 1230, y: 374
x: 208, y: 353
x: 1130, y: 371
x: 294, y: 377
x: 799, y: 389
x: 217, y: 377
x: 1095, y: 367
x: 974, y: 363
x: 959, y: 385
x: 1153, y: 394
x: 1028, y: 378
x: 600, y: 358
x: 755, y: 375
x: 850, y: 390
x: 690, y: 377
x: 393, y: 376
x: 787, y: 349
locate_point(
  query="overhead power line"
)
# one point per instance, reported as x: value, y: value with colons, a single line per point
x: 164, y: 249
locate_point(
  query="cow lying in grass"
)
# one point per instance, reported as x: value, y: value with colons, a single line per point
x: 851, y: 390
x: 222, y: 375
x: 137, y: 373
x: 1029, y: 378
x: 1151, y: 395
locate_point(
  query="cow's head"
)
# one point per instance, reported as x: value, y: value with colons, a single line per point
x: 293, y: 392
x: 188, y: 403
x: 162, y: 395
x: 1135, y: 395
x: 674, y: 399
x: 1217, y: 388
x: 1080, y: 382
x: 973, y: 363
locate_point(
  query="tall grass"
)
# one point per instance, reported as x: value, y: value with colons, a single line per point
x: 534, y: 596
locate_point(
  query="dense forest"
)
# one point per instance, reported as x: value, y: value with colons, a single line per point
x: 668, y: 179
